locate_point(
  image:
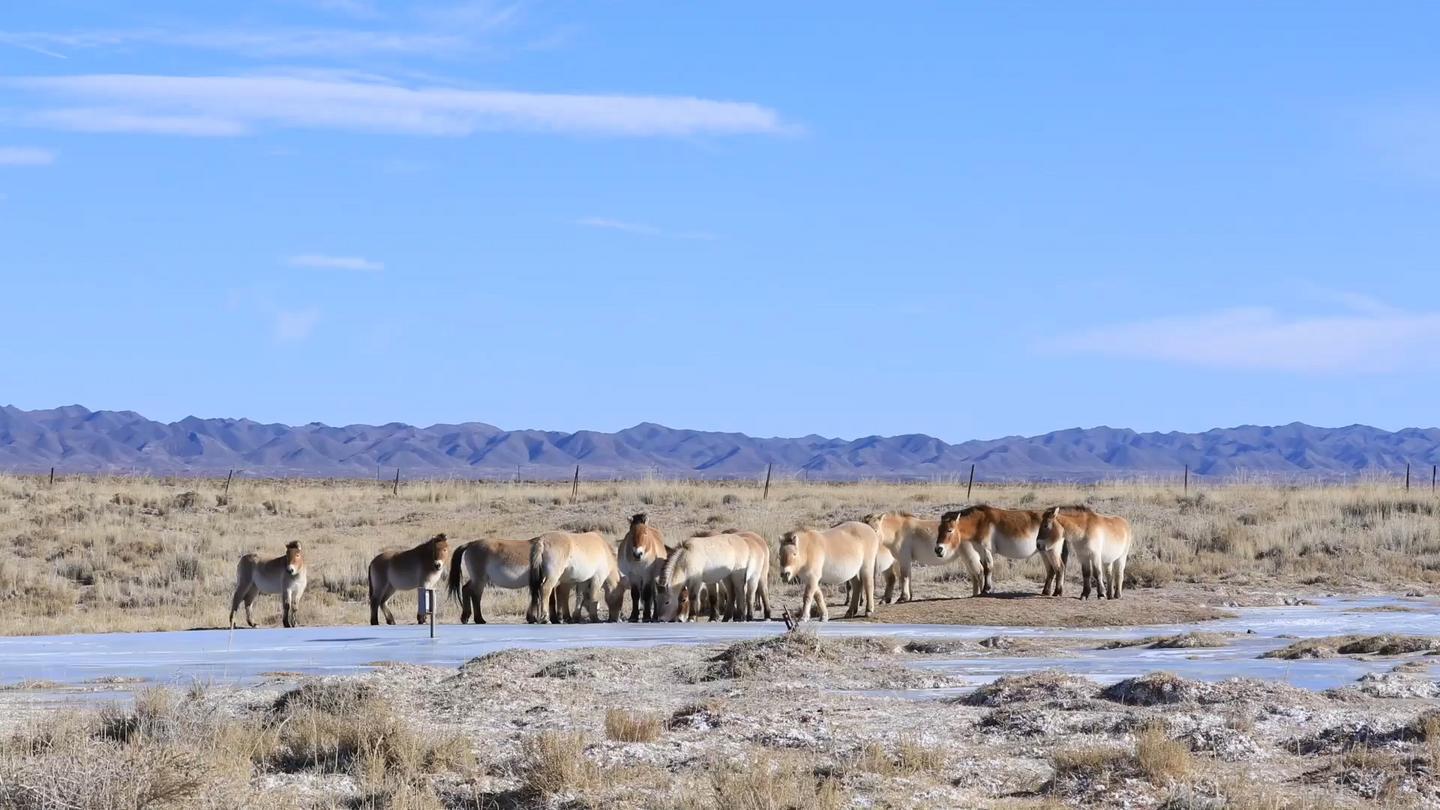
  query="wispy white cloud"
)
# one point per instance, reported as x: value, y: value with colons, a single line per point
x: 256, y: 43
x: 25, y: 156
x: 292, y: 325
x: 212, y: 105
x: 318, y: 261
x: 639, y: 228
x: 1370, y: 338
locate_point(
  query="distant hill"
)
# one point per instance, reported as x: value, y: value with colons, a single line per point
x: 75, y: 439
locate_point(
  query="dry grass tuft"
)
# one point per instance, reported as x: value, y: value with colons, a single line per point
x: 768, y: 782
x: 553, y: 763
x: 910, y: 758
x: 1163, y: 760
x: 623, y: 726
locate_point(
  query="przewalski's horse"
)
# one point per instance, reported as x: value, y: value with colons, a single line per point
x: 977, y: 533
x: 1101, y: 543
x: 586, y: 561
x: 284, y: 575
x: 757, y: 578
x: 642, y: 561
x: 501, y: 563
x: 422, y: 567
x: 910, y: 540
x: 706, y: 562
x: 831, y: 556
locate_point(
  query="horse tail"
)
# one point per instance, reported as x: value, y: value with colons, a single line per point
x: 456, y: 574
x: 537, y: 566
x: 1064, y: 553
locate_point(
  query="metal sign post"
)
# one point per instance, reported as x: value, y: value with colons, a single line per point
x: 427, y: 607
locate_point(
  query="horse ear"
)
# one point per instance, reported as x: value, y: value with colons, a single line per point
x: 295, y: 544
x: 440, y: 538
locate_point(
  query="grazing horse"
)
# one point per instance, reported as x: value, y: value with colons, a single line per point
x: 705, y: 563
x: 284, y: 575
x: 977, y: 533
x: 642, y: 561
x: 501, y: 563
x: 422, y: 567
x: 1102, y: 544
x: 910, y: 540
x: 843, y: 553
x: 559, y: 560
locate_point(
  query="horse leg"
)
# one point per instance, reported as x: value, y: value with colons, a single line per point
x: 235, y: 604
x: 890, y: 578
x: 477, y: 595
x: 867, y: 588
x: 987, y: 564
x: 285, y: 608
x: 385, y: 593
x: 1117, y: 577
x: 971, y: 557
x: 807, y: 600
x: 592, y: 601
x: 762, y: 592
x: 637, y: 599
x: 820, y: 603
x: 250, y: 595
x: 904, y: 569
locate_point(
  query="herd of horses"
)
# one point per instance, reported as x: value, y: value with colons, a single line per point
x: 724, y: 575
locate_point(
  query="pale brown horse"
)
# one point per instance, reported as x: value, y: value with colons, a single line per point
x: 284, y: 575
x: 422, y: 567
x: 977, y: 533
x: 586, y: 561
x: 1102, y: 543
x: 842, y: 553
x: 488, y: 562
x: 642, y: 560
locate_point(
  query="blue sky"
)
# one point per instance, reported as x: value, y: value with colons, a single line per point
x: 964, y: 219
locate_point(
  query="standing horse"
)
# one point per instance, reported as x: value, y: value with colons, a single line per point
x: 911, y: 542
x: 843, y: 553
x: 1102, y: 543
x: 422, y: 567
x: 559, y: 560
x: 284, y: 575
x: 501, y: 563
x: 642, y: 561
x: 977, y: 533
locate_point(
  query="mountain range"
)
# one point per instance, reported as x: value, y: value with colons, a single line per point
x: 74, y: 439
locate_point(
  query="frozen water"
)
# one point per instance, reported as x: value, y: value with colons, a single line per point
x: 242, y: 656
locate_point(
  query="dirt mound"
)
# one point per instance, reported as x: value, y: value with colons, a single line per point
x: 1389, y: 644
x: 340, y: 696
x: 1021, y: 722
x: 1192, y: 640
x: 750, y: 658
x: 1156, y: 689
x: 1394, y: 685
x: 1050, y: 687
x: 1331, y: 646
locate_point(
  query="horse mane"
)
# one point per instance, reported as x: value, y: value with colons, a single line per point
x: 638, y: 518
x: 956, y: 514
x: 440, y: 538
x: 668, y: 573
x: 1075, y: 507
x: 295, y: 544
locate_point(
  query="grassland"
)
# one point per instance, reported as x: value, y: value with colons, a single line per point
x: 119, y: 553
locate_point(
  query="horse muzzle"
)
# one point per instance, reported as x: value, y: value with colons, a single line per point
x: 940, y: 552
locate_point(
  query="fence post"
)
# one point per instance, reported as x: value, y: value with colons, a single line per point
x: 226, y: 493
x: 1433, y: 468
x: 970, y: 485
x: 52, y: 476
x: 395, y: 489
x: 769, y: 469
x: 575, y: 487
x: 1187, y: 479
x: 1407, y: 477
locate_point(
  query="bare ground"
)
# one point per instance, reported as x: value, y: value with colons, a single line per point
x: 792, y: 721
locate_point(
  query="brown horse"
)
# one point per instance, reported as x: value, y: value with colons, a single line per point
x: 585, y: 561
x: 642, y: 561
x: 422, y: 567
x: 977, y: 533
x: 1101, y: 542
x: 284, y: 575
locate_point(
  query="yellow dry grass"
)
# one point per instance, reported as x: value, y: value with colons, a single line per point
x: 124, y: 553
